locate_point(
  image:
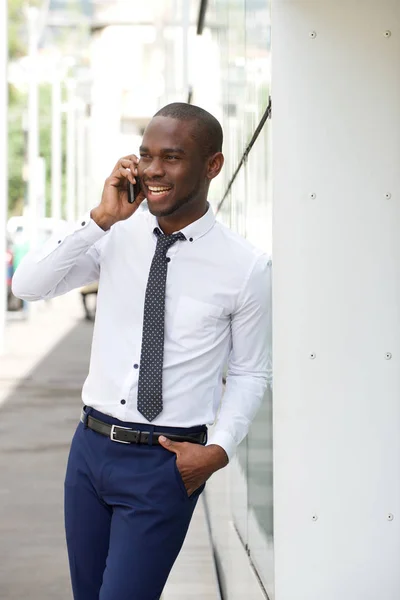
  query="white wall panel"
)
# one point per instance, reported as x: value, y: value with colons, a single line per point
x: 336, y: 249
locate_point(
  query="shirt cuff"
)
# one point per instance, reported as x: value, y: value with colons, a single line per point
x: 225, y: 440
x: 91, y: 232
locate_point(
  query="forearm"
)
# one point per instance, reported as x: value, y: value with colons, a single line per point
x: 102, y: 219
x: 217, y: 457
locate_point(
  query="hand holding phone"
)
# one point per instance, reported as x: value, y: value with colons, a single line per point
x: 122, y: 194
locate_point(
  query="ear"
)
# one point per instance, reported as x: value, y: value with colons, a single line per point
x: 215, y: 164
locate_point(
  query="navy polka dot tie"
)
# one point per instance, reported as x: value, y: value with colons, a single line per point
x: 150, y: 402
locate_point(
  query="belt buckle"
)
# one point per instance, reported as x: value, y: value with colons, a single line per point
x: 113, y: 432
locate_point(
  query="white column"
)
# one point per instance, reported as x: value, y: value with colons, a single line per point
x: 71, y: 151
x: 185, y: 48
x: 3, y: 163
x: 41, y: 187
x: 56, y: 149
x: 31, y: 210
x: 89, y: 203
x: 81, y: 159
x: 336, y: 254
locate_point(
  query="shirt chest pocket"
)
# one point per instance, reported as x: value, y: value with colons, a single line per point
x: 194, y: 323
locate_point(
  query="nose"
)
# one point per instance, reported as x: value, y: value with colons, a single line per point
x: 154, y: 169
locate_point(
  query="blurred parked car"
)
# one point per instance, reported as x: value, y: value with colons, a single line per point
x: 18, y: 244
x: 18, y: 231
x: 13, y: 303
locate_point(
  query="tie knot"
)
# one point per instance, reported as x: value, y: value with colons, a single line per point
x: 166, y: 241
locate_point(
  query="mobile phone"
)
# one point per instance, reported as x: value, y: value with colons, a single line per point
x: 133, y: 190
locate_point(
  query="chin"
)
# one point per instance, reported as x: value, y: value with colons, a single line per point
x: 161, y: 211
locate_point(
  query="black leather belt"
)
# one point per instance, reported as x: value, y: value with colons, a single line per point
x: 126, y: 435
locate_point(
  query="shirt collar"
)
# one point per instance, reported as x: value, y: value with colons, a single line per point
x: 193, y: 231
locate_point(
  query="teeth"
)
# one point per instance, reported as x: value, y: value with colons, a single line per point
x: 159, y: 189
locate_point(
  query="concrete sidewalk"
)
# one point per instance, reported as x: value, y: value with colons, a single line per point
x: 41, y: 376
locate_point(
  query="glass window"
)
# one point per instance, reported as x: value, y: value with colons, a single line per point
x: 258, y: 61
x: 238, y: 39
x: 259, y: 442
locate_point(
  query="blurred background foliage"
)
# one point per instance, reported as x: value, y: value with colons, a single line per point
x: 17, y: 44
x: 18, y: 105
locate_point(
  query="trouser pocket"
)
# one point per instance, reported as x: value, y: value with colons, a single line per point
x: 181, y: 484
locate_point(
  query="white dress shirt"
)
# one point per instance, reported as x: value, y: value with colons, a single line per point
x: 216, y: 313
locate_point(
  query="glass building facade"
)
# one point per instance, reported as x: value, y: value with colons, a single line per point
x: 231, y: 78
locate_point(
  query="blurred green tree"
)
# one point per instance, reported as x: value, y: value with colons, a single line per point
x: 16, y: 29
x: 17, y: 101
x: 16, y: 151
x: 18, y: 105
x: 17, y: 44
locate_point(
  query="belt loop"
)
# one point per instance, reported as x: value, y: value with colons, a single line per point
x: 205, y: 437
x: 86, y: 411
x: 85, y: 417
x: 151, y: 431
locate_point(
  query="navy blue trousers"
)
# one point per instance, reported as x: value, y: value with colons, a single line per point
x: 127, y: 513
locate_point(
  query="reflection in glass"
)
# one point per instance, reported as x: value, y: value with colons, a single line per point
x: 258, y: 61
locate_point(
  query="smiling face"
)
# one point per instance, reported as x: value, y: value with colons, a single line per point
x: 172, y: 169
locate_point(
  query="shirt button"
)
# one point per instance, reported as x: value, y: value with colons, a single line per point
x: 123, y: 401
x: 190, y: 239
x: 135, y: 366
x: 59, y: 242
x: 83, y: 223
x: 168, y: 259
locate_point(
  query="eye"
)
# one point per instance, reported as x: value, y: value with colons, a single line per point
x: 144, y: 156
x: 171, y: 157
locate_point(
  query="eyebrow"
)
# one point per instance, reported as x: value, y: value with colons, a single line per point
x: 165, y: 150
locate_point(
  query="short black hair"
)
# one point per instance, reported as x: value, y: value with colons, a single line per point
x: 208, y: 130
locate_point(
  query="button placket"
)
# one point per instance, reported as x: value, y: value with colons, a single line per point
x: 129, y: 387
x: 173, y: 250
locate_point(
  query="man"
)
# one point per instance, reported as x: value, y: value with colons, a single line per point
x: 179, y: 297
